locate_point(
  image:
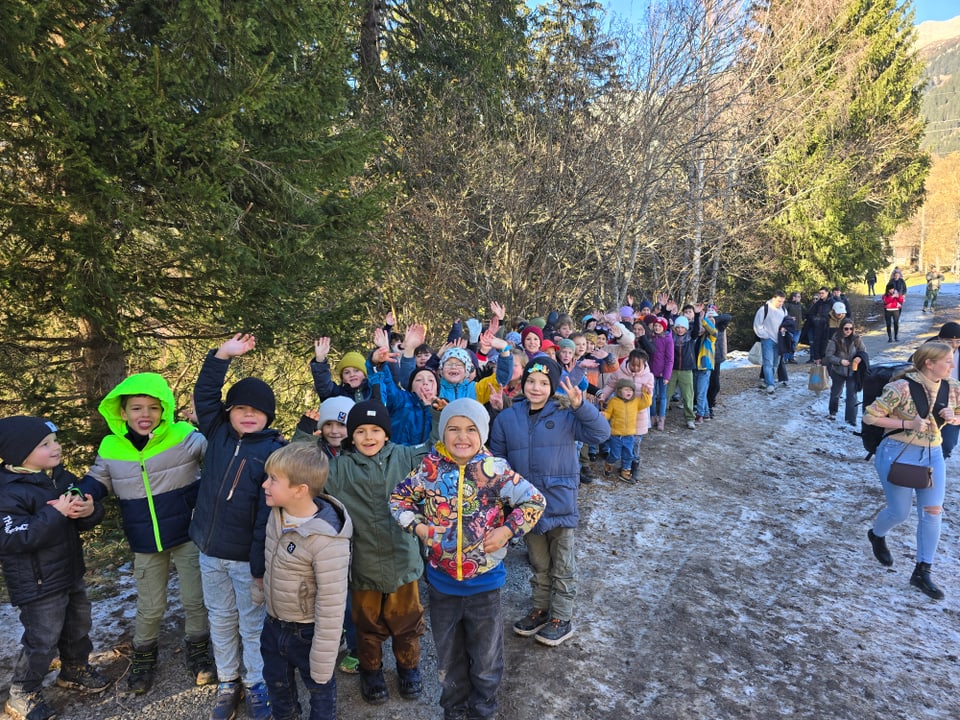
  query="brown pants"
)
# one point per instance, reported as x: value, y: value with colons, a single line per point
x: 378, y: 616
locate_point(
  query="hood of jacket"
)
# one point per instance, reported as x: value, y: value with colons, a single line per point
x: 168, y: 432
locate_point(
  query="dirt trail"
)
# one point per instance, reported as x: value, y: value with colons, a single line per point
x: 735, y: 581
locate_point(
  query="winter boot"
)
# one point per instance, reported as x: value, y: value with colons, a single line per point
x: 28, y: 705
x: 626, y: 475
x: 608, y: 469
x: 635, y: 471
x: 84, y: 678
x: 921, y: 580
x: 199, y: 664
x: 373, y: 686
x: 411, y: 685
x: 142, y: 669
x: 880, y: 551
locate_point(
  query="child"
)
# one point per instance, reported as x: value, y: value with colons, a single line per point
x: 305, y: 585
x: 537, y: 437
x: 684, y: 362
x: 637, y: 369
x: 42, y: 557
x: 229, y: 523
x: 386, y: 561
x: 351, y: 370
x: 622, y: 411
x: 706, y: 348
x: 456, y: 364
x: 152, y: 464
x: 661, y: 365
x: 465, y: 506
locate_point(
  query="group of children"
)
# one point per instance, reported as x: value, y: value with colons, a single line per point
x: 265, y: 534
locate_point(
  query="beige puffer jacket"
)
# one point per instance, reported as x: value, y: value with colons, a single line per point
x: 306, y: 578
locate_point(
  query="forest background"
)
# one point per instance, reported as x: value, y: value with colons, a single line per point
x: 173, y: 172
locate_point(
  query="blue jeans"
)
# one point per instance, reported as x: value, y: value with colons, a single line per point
x: 227, y: 591
x: 771, y: 358
x: 285, y: 647
x: 701, y: 383
x: 468, y: 634
x: 59, y: 622
x: 621, y: 448
x: 900, y: 499
x: 949, y: 433
x: 787, y: 357
x: 659, y: 408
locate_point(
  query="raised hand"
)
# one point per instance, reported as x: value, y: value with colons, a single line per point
x: 416, y: 335
x: 321, y: 347
x: 381, y: 338
x: 498, y: 310
x: 238, y: 345
x: 382, y: 355
x: 574, y: 393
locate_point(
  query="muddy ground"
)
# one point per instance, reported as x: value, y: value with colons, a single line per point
x: 735, y: 581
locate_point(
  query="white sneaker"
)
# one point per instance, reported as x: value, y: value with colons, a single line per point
x: 770, y: 389
x: 691, y: 425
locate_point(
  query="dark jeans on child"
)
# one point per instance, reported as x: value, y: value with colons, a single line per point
x: 59, y: 622
x: 468, y: 633
x: 285, y: 647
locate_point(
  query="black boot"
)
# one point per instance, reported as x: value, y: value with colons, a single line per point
x: 373, y: 686
x: 880, y: 551
x: 411, y: 685
x: 199, y: 664
x: 142, y: 669
x: 921, y: 580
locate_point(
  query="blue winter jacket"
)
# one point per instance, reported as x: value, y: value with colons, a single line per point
x: 411, y: 420
x: 230, y: 519
x: 542, y: 448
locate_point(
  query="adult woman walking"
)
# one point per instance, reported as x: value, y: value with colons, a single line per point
x: 843, y: 349
x: 916, y: 442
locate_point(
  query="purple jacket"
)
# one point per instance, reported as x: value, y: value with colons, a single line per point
x: 661, y: 361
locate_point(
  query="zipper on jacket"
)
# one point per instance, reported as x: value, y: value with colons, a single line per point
x: 150, y: 505
x: 460, y: 521
x: 236, y: 452
x: 236, y: 478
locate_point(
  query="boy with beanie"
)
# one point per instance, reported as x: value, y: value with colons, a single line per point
x: 351, y: 371
x: 229, y: 523
x: 386, y: 561
x: 465, y: 505
x: 537, y: 436
x: 622, y: 411
x: 42, y: 557
x: 456, y: 365
x: 305, y: 586
x: 684, y: 363
x: 151, y: 463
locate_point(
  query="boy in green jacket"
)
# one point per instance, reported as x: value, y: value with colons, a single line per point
x: 151, y: 463
x: 386, y: 561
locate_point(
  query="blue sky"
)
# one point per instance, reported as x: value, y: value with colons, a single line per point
x: 926, y: 9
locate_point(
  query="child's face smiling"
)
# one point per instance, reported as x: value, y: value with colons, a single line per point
x: 369, y: 439
x: 245, y: 419
x: 351, y: 377
x: 453, y: 371
x: 531, y: 343
x: 142, y: 413
x: 537, y: 389
x: 333, y: 432
x: 462, y: 439
x: 45, y: 456
x: 278, y: 492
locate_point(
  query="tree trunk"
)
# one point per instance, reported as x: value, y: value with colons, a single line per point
x: 103, y: 366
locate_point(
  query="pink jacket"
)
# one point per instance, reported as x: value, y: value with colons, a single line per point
x: 642, y: 380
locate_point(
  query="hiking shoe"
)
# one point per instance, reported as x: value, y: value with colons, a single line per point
x: 227, y: 700
x: 922, y: 581
x: 585, y: 477
x: 627, y: 476
x: 29, y: 706
x: 411, y: 685
x: 349, y: 665
x: 531, y: 623
x: 880, y: 551
x: 373, y: 686
x: 199, y: 664
x: 142, y: 668
x: 258, y: 702
x: 84, y: 678
x: 555, y: 632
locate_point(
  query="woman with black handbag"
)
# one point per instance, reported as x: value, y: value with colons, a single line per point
x: 912, y: 408
x: 845, y: 351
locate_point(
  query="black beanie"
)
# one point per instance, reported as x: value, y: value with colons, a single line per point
x: 368, y: 412
x: 542, y: 364
x: 255, y: 393
x: 950, y: 331
x: 20, y: 435
x: 417, y: 371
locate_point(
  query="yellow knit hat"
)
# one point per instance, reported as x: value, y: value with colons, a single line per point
x: 351, y: 360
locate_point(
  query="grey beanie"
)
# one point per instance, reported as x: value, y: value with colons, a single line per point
x: 470, y: 409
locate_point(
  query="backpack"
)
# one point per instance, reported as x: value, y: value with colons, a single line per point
x: 876, y: 378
